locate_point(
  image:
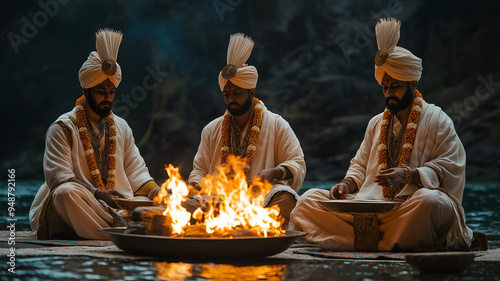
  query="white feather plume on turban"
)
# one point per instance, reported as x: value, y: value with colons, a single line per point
x: 102, y: 65
x: 397, y: 62
x: 242, y: 75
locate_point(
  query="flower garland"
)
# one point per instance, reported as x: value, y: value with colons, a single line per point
x: 409, y: 139
x: 252, y: 141
x: 81, y: 122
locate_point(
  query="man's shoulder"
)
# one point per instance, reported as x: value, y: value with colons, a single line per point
x: 432, y: 108
x: 436, y: 115
x: 120, y: 122
x: 68, y: 118
x: 62, y: 127
x: 274, y: 117
x: 214, y: 123
x: 378, y: 116
x: 376, y: 119
x: 272, y: 114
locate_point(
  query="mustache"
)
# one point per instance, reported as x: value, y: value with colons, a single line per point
x: 392, y: 98
x: 105, y: 103
x: 233, y: 103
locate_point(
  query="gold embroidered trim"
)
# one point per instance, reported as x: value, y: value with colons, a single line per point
x: 366, y: 232
x: 67, y: 132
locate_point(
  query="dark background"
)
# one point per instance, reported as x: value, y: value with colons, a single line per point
x: 315, y: 63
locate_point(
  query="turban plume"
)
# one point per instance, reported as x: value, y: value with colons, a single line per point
x: 397, y: 62
x: 242, y: 75
x: 101, y: 64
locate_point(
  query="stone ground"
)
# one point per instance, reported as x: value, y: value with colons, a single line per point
x: 486, y: 265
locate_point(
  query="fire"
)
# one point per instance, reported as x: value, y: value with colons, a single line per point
x: 182, y: 271
x: 230, y: 206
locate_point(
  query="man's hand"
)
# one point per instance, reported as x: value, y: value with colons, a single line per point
x: 270, y: 174
x: 194, y: 188
x: 191, y: 204
x: 107, y: 196
x: 392, y: 177
x: 154, y: 192
x: 339, y: 191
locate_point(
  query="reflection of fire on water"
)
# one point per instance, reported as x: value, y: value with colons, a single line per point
x: 181, y: 271
x: 230, y: 208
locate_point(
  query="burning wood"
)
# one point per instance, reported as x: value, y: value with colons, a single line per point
x: 141, y: 219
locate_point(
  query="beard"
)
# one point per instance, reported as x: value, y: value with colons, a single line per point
x: 103, y: 109
x: 401, y: 103
x: 242, y: 109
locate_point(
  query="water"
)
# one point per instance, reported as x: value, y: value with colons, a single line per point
x: 88, y: 268
x: 481, y: 203
x: 24, y: 193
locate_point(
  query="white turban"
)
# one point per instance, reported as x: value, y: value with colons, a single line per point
x: 242, y: 75
x: 102, y: 65
x: 397, y: 62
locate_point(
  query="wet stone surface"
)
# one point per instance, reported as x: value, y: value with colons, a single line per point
x: 91, y: 268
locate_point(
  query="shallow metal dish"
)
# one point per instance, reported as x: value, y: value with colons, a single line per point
x: 359, y: 206
x: 130, y: 204
x: 204, y: 248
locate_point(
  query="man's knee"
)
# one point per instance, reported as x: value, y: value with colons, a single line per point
x: 313, y: 195
x: 432, y: 199
x: 285, y: 201
x: 65, y: 192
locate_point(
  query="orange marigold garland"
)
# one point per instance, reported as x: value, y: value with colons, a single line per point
x: 81, y: 122
x: 252, y: 141
x: 409, y: 139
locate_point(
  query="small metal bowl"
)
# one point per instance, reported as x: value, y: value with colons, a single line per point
x: 130, y: 204
x: 440, y: 262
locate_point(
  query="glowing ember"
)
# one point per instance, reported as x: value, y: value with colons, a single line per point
x: 229, y: 208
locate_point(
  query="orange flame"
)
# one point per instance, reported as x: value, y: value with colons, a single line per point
x: 179, y: 190
x: 229, y: 206
x: 181, y: 271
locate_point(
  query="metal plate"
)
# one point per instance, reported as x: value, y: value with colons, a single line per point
x: 359, y: 206
x: 130, y: 204
x: 204, y: 248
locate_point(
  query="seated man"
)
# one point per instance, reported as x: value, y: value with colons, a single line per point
x: 247, y: 129
x: 90, y: 156
x: 410, y: 151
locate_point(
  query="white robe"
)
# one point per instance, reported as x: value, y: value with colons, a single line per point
x: 439, y: 157
x: 277, y: 145
x: 75, y: 203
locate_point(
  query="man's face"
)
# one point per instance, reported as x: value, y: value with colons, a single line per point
x: 238, y: 101
x: 398, y: 94
x: 101, y: 97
